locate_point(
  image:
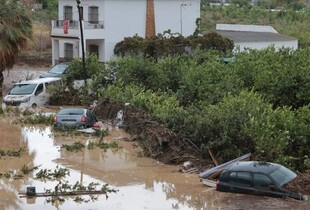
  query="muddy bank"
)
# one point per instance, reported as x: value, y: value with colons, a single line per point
x: 157, y: 141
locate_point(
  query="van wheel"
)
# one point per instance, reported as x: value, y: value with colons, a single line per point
x: 34, y: 106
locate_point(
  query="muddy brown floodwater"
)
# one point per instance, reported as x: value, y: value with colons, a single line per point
x: 142, y: 183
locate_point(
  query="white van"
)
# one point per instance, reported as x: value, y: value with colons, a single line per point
x: 30, y: 93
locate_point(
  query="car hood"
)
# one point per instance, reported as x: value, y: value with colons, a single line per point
x: 15, y: 97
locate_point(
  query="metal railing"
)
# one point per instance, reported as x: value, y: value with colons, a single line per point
x: 93, y: 24
x: 74, y: 24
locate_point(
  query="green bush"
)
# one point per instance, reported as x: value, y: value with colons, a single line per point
x: 92, y: 68
x: 256, y: 103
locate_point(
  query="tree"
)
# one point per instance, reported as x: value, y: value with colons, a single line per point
x: 15, y: 31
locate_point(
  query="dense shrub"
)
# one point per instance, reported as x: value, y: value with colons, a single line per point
x: 256, y: 103
x: 170, y: 44
x: 92, y: 68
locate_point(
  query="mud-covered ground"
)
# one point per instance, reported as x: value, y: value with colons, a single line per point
x: 22, y: 72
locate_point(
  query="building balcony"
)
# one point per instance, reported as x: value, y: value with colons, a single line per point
x: 71, y: 28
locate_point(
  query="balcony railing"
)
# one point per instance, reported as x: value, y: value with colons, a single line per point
x: 74, y: 24
x: 93, y: 24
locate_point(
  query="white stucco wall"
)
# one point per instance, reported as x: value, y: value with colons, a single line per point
x: 242, y: 46
x: 125, y: 18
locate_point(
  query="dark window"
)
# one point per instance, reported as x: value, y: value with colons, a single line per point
x: 39, y: 89
x: 68, y: 50
x: 240, y: 178
x: 94, y: 49
x: 262, y: 181
x: 68, y: 13
x: 73, y: 111
x: 93, y: 15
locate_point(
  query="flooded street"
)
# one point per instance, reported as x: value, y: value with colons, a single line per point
x: 141, y: 183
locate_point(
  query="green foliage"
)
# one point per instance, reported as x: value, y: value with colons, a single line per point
x: 64, y: 188
x: 161, y: 105
x: 57, y: 173
x: 223, y: 126
x: 12, y: 153
x: 92, y: 68
x: 256, y: 103
x: 281, y: 77
x: 15, y: 32
x: 78, y: 146
x: 39, y: 118
x: 208, y: 82
x: 171, y: 44
x: 48, y: 13
x: 130, y: 45
x: 288, y: 19
x: 75, y: 147
x: 137, y: 71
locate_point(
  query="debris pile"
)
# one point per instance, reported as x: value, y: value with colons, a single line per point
x: 300, y: 184
x: 156, y: 140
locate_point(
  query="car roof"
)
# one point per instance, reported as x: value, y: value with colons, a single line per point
x: 40, y: 80
x: 253, y: 166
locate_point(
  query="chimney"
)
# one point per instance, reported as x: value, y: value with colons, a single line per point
x: 150, y: 19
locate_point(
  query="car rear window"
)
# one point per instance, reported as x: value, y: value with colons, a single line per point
x: 283, y: 175
x: 71, y: 112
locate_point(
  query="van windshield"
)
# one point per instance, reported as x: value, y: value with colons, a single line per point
x: 22, y: 89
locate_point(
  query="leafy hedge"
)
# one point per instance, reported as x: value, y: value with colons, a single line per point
x: 170, y: 44
x: 257, y: 103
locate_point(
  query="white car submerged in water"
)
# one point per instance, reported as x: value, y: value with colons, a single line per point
x: 30, y: 93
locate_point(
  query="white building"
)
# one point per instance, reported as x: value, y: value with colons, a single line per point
x: 255, y: 37
x: 107, y: 22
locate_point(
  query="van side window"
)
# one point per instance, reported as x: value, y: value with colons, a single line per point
x: 39, y: 89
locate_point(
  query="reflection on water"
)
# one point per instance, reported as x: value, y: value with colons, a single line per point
x: 142, y: 183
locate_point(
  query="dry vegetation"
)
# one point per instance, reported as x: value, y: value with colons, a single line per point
x: 39, y: 50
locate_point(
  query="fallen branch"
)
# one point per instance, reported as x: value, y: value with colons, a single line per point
x: 97, y: 192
